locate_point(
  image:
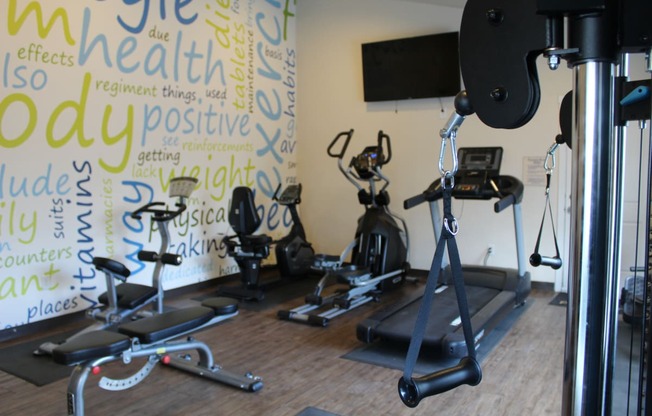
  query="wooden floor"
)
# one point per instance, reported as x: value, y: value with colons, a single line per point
x: 301, y: 367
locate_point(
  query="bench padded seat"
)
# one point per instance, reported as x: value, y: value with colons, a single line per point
x: 168, y: 324
x: 221, y: 305
x: 98, y: 344
x: 130, y: 295
x: 90, y: 345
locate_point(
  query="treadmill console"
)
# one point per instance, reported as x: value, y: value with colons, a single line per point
x: 477, y: 167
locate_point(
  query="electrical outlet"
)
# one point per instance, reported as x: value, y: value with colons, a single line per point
x: 491, y: 249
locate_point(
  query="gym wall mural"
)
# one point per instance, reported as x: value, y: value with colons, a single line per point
x: 102, y: 103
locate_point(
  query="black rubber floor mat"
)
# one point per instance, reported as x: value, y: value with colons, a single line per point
x: 19, y: 360
x: 560, y: 299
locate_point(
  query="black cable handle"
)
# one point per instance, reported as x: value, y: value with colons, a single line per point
x: 467, y: 371
x: 536, y: 259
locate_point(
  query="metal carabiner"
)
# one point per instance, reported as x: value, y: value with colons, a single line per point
x: 442, y: 155
x: 455, y: 226
x: 551, y: 161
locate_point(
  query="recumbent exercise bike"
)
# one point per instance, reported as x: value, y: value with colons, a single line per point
x: 294, y: 255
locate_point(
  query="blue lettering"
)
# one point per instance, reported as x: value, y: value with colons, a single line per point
x: 85, y: 51
x: 178, y: 5
x: 126, y: 48
x: 265, y: 185
x: 274, y: 41
x: 133, y: 255
x: 270, y: 144
x: 265, y: 106
x: 210, y: 68
x: 158, y: 55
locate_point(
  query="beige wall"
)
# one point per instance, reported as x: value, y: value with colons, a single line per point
x: 330, y: 100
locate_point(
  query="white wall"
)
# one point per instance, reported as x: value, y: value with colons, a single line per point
x: 330, y: 100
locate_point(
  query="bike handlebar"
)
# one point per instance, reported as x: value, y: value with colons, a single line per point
x: 158, y: 214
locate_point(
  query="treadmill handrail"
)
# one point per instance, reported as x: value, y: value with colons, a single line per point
x: 510, y: 193
x: 433, y: 193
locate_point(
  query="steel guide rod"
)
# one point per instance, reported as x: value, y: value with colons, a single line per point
x: 590, y: 332
x: 584, y: 377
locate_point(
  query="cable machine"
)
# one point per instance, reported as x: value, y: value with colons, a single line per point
x: 499, y: 43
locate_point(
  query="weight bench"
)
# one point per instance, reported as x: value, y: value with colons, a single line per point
x: 154, y: 338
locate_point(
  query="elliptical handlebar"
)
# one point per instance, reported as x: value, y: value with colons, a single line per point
x: 384, y: 137
x: 348, y: 135
x: 366, y: 166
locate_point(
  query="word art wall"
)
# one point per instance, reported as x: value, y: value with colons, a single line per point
x: 102, y: 103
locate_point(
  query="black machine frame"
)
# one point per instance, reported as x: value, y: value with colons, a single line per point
x: 499, y: 43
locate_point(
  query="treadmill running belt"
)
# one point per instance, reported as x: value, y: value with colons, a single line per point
x: 444, y: 316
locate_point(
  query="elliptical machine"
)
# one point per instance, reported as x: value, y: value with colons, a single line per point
x: 294, y: 254
x: 129, y: 300
x: 378, y: 251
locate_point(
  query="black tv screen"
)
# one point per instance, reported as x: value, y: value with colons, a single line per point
x: 418, y: 67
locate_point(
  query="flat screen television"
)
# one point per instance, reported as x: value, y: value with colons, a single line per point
x: 417, y: 67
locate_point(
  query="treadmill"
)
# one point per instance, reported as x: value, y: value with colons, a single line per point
x: 493, y: 292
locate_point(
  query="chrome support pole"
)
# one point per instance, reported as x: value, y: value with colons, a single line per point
x: 618, y: 158
x: 590, y: 323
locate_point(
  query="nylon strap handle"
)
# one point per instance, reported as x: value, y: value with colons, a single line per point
x: 447, y: 238
x: 547, y: 208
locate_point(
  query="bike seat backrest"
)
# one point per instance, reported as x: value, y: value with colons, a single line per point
x: 113, y: 267
x: 243, y: 216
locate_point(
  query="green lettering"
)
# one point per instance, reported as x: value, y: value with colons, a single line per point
x: 29, y: 128
x: 77, y: 126
x: 126, y: 133
x: 14, y: 25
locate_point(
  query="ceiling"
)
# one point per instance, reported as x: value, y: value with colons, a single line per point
x: 450, y: 3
